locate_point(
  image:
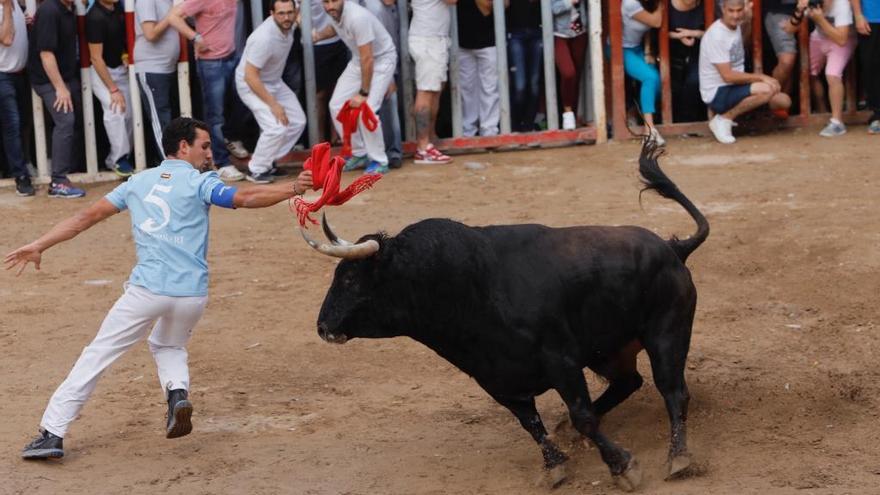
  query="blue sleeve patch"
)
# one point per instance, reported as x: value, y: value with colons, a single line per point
x: 222, y: 195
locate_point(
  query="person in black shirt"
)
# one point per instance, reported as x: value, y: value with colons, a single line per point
x: 53, y: 67
x: 478, y: 68
x: 686, y: 27
x: 525, y: 48
x: 105, y: 32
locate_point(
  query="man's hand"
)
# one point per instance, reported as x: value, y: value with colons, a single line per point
x: 862, y: 25
x: 391, y: 89
x: 117, y: 101
x: 772, y: 82
x: 356, y: 101
x: 279, y: 113
x: 816, y: 13
x: 22, y: 256
x: 200, y: 46
x: 63, y: 102
x: 303, y: 182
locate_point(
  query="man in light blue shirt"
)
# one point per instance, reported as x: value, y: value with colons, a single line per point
x: 168, y: 287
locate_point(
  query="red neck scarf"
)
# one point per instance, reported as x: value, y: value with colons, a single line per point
x: 348, y: 117
x: 326, y: 175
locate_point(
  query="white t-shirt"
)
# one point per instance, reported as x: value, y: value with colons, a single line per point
x: 430, y: 18
x: 321, y: 20
x: 633, y: 30
x: 266, y: 49
x: 358, y: 27
x: 839, y: 14
x: 13, y: 58
x: 720, y: 45
x: 159, y: 56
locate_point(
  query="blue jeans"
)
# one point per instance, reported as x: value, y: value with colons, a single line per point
x: 525, y: 49
x: 390, y: 119
x: 12, y: 91
x: 217, y: 78
x: 156, y: 97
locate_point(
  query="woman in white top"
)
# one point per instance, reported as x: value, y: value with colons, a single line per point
x: 639, y: 16
x: 832, y: 44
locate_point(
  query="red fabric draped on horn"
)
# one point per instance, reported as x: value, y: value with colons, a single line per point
x: 348, y: 117
x: 326, y: 175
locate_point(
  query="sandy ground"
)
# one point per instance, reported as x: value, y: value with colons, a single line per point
x: 782, y: 367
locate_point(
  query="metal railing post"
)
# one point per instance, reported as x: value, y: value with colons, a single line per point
x: 597, y: 70
x: 140, y: 153
x: 454, y: 71
x: 550, y: 101
x: 86, y: 88
x: 309, y: 70
x: 406, y: 74
x: 501, y: 48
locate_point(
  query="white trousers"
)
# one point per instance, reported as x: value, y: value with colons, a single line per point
x: 478, y: 79
x: 364, y: 142
x: 117, y: 124
x: 127, y: 323
x: 276, y: 139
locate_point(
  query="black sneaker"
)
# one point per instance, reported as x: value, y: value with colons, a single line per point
x: 264, y: 178
x: 179, y: 414
x: 23, y: 186
x: 277, y: 172
x: 45, y: 446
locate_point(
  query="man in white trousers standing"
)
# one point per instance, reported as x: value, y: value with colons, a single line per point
x: 105, y: 33
x: 366, y: 78
x: 259, y: 84
x: 168, y: 287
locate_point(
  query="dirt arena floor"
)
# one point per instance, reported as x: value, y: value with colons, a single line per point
x: 782, y: 370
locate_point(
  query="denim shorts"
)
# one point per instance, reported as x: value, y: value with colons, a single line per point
x: 729, y: 96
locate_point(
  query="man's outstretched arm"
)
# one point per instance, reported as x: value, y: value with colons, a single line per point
x: 63, y: 231
x: 263, y: 196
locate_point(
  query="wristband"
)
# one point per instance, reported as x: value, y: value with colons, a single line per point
x: 114, y: 90
x: 197, y: 38
x: 363, y: 92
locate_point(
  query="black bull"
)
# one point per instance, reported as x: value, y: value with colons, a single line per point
x: 524, y: 308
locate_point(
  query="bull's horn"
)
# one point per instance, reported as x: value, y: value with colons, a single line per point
x: 334, y: 239
x: 349, y: 252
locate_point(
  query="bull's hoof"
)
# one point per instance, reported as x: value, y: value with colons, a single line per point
x: 631, y: 477
x: 553, y: 477
x: 680, y: 466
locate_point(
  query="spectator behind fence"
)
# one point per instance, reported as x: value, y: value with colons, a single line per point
x: 639, y: 16
x: 525, y: 53
x: 156, y: 52
x: 273, y: 103
x: 105, y: 33
x: 331, y: 58
x: 686, y: 28
x: 569, y: 47
x: 832, y: 44
x: 782, y: 33
x: 478, y: 68
x: 366, y: 79
x: 429, y: 47
x: 13, y: 88
x: 386, y: 12
x: 867, y: 22
x: 214, y: 39
x: 726, y: 88
x: 53, y: 67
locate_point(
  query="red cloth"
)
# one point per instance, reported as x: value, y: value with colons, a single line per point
x: 326, y: 175
x: 348, y: 117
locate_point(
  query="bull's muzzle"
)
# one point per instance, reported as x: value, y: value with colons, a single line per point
x: 328, y: 336
x: 340, y: 248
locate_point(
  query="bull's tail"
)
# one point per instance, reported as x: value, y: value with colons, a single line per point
x: 654, y: 179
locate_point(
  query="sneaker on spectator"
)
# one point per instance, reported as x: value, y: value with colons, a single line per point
x: 656, y: 137
x: 721, y: 129
x: 123, y: 167
x: 568, y: 122
x: 874, y: 126
x: 230, y: 173
x: 237, y: 149
x: 277, y: 172
x: 65, y: 190
x: 376, y: 168
x: 395, y: 163
x: 355, y: 162
x: 262, y: 178
x: 430, y: 155
x: 23, y: 186
x: 833, y: 129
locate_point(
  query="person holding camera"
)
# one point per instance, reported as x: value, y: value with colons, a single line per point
x: 832, y: 44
